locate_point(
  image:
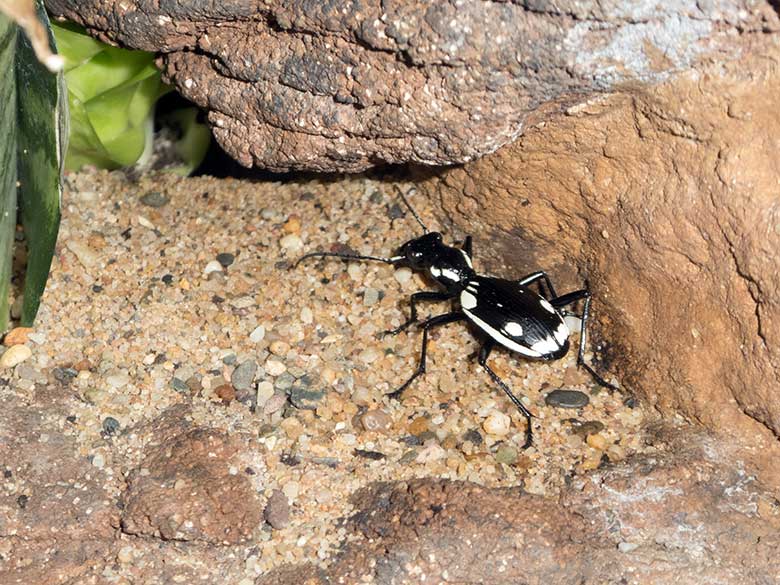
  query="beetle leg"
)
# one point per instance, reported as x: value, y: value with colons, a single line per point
x: 568, y: 299
x: 426, y: 325
x: 417, y: 297
x: 535, y: 277
x: 484, y: 353
x: 467, y: 246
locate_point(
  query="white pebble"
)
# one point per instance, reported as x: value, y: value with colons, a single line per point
x: 291, y: 489
x: 212, y: 266
x: 369, y: 355
x: 86, y: 255
x: 291, y: 242
x: 307, y: 316
x: 265, y: 390
x: 403, y: 275
x: 15, y: 355
x: 275, y: 367
x: 355, y: 271
x: 431, y: 452
x: 142, y: 221
x: 98, y: 460
x: 257, y: 335
x: 38, y: 338
x: 497, y: 424
x: 118, y: 380
x: 243, y: 302
x: 370, y: 297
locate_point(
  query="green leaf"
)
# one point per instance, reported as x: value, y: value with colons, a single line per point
x: 194, y: 142
x: 33, y: 121
x: 112, y: 93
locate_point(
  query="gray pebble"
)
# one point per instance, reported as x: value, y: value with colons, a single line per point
x: 229, y: 359
x: 590, y: 427
x: 154, y: 199
x: 284, y: 381
x: 370, y: 297
x: 566, y: 399
x: 110, y: 425
x: 244, y: 375
x: 226, y: 259
x: 64, y: 375
x: 304, y: 399
x: 473, y: 436
x: 180, y: 386
x: 277, y: 510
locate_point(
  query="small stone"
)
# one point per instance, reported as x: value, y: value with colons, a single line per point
x: 244, y: 375
x: 304, y: 399
x: 432, y: 451
x: 292, y: 427
x: 64, y: 375
x: 243, y: 302
x: 154, y: 199
x: 566, y: 399
x: 14, y: 355
x: 284, y: 381
x: 627, y: 547
x: 226, y: 393
x: 597, y: 441
x: 98, y: 460
x: 307, y: 316
x: 370, y: 297
x: 144, y: 222
x: 212, y: 267
x: 473, y: 436
x: 369, y: 355
x: 277, y: 510
x: 279, y: 347
x: 372, y: 455
x: 180, y: 386
x: 85, y: 255
x: 274, y: 367
x: 403, y: 275
x: 275, y: 403
x: 265, y: 390
x: 110, y: 425
x: 292, y: 225
x: 376, y: 420
x: 506, y: 454
x: 291, y: 489
x: 225, y: 259
x: 419, y: 425
x: 408, y: 457
x: 257, y: 335
x: 291, y: 243
x: 590, y: 427
x: 17, y: 336
x: 119, y: 380
x: 497, y: 424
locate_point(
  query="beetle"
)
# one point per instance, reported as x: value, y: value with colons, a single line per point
x: 509, y: 312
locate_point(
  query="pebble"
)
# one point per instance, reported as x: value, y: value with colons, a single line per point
x: 506, y: 454
x: 277, y: 510
x: 17, y: 336
x: 376, y: 420
x: 597, y: 441
x: 567, y: 399
x: 144, y: 222
x: 154, y: 199
x: 274, y: 367
x: 14, y: 355
x: 497, y: 424
x: 291, y: 489
x: 626, y: 547
x: 369, y: 355
x: 292, y: 225
x: 304, y: 399
x: 403, y: 275
x: 257, y: 335
x: 119, y: 380
x: 180, y: 386
x: 473, y: 436
x: 275, y: 403
x: 244, y: 375
x: 291, y: 243
x: 431, y: 452
x: 110, y: 425
x: 226, y: 393
x: 590, y: 427
x: 279, y: 347
x: 86, y: 255
x: 98, y: 460
x: 307, y: 316
x: 372, y: 455
x: 265, y: 390
x: 292, y: 427
x: 419, y: 425
x: 370, y: 297
x: 212, y: 266
x: 225, y: 259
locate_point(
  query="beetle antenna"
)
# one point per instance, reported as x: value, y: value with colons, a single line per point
x: 345, y: 256
x: 409, y: 206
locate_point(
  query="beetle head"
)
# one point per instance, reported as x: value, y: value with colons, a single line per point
x: 421, y: 252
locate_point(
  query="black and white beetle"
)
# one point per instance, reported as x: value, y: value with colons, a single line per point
x: 507, y: 311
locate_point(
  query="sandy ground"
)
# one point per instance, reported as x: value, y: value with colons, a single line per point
x: 141, y: 315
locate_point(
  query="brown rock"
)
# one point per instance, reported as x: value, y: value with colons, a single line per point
x: 50, y: 530
x: 226, y: 393
x: 184, y: 490
x: 344, y: 85
x: 17, y: 336
x: 667, y: 200
x: 686, y: 515
x: 277, y: 510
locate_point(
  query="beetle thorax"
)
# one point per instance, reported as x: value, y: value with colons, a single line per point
x: 451, y: 268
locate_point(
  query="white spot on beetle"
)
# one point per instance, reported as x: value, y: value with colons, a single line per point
x: 450, y: 275
x: 545, y: 346
x: 435, y: 272
x: 514, y: 329
x: 561, y: 333
x: 466, y: 258
x: 546, y: 305
x: 499, y: 337
x: 467, y: 300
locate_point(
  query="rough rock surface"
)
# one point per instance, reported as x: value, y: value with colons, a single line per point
x: 652, y: 520
x: 668, y: 200
x: 57, y: 521
x: 184, y: 489
x: 342, y: 86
